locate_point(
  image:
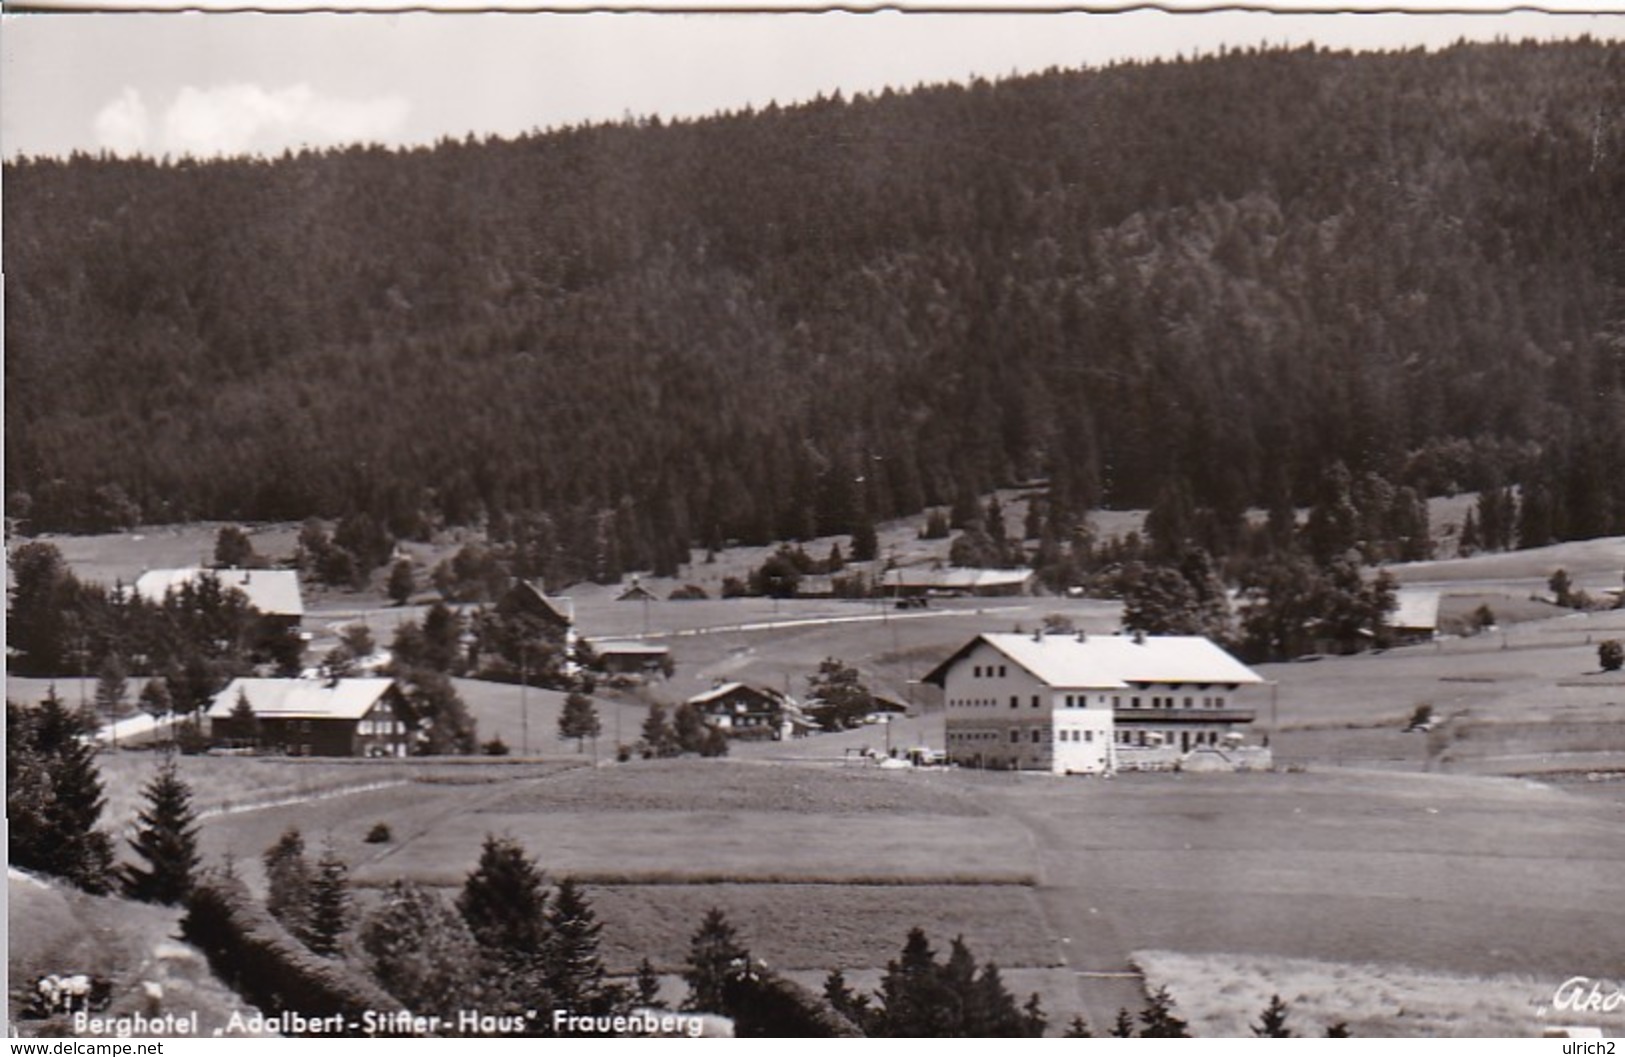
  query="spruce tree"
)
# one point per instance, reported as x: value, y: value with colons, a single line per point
x: 714, y: 954
x: 52, y: 779
x: 166, y: 839
x: 504, y: 902
x: 846, y: 1001
x: 402, y: 582
x: 1033, y: 1019
x: 579, y: 720
x: 1077, y: 1028
x: 1272, y: 1022
x: 1003, y: 1019
x: 1159, y: 1020
x: 574, y: 972
x: 1123, y: 1026
x: 329, y: 905
x: 287, y: 882
x: 646, y: 987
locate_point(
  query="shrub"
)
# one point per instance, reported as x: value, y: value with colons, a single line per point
x: 379, y: 834
x: 1611, y: 655
x: 495, y: 747
x: 688, y: 593
x: 1423, y: 713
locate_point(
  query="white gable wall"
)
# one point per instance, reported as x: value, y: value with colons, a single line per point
x: 1000, y: 714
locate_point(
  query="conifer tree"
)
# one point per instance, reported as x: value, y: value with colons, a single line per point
x: 1159, y: 1020
x: 658, y: 737
x: 504, y: 901
x: 166, y: 839
x: 330, y: 905
x: 54, y: 785
x: 574, y: 972
x: 646, y: 987
x: 1033, y: 1019
x: 1078, y: 1028
x: 287, y: 882
x: 1123, y: 1026
x: 402, y: 582
x: 420, y: 951
x: 714, y: 954
x: 1272, y: 1022
x: 579, y: 719
x: 846, y: 1001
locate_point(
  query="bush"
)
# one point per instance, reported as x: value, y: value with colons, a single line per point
x: 1611, y: 655
x: 1423, y: 713
x: 495, y: 747
x: 379, y: 834
x: 688, y: 593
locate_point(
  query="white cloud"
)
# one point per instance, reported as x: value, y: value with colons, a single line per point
x: 121, y: 125
x: 244, y: 118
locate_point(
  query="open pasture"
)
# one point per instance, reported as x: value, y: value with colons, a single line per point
x: 1529, y: 690
x: 1439, y: 872
x: 816, y: 927
x: 692, y: 821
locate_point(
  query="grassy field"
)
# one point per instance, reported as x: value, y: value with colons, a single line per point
x: 1439, y: 872
x: 1222, y: 996
x: 1530, y: 696
x: 1443, y: 874
x: 816, y: 927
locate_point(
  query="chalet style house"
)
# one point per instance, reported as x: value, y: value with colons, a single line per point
x: 744, y: 711
x: 1067, y: 703
x: 312, y: 717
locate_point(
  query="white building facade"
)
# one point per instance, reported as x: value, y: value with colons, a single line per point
x: 1068, y: 703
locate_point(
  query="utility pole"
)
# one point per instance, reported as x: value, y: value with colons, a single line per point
x: 524, y: 698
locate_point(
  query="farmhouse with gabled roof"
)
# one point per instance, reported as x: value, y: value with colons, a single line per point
x: 1066, y: 703
x: 274, y: 592
x: 313, y: 717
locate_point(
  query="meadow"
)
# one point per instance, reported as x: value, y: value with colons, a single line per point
x: 1222, y: 996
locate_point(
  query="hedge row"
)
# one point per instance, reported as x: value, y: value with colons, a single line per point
x: 263, y: 962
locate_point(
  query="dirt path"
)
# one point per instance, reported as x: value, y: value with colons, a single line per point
x: 1090, y: 943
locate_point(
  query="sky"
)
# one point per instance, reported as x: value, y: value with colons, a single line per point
x: 207, y: 84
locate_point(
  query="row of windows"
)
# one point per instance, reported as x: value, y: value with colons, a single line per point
x: 1082, y: 701
x: 1169, y: 702
x: 381, y: 726
x: 1169, y: 737
x: 1076, y: 735
x: 988, y: 671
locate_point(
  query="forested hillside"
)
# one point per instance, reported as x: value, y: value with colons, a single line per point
x: 1215, y: 276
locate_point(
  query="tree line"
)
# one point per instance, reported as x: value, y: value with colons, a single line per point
x: 610, y: 343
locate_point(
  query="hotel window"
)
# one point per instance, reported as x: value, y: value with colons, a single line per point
x: 1001, y: 671
x: 1015, y: 737
x: 1035, y: 700
x: 1134, y: 702
x: 1089, y: 735
x: 1037, y: 736
x: 1189, y: 701
x: 977, y: 671
x: 1015, y: 702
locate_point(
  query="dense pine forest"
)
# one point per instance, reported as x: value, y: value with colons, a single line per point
x: 1212, y: 278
